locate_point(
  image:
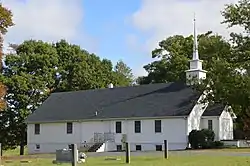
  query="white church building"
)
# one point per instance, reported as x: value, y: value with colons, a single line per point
x: 144, y: 115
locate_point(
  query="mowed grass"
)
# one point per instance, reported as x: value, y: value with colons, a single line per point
x: 197, y: 160
x: 241, y: 150
x: 174, y: 160
x: 14, y: 152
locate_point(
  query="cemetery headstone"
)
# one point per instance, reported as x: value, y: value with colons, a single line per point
x: 66, y: 156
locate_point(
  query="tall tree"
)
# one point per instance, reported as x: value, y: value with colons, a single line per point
x: 35, y: 70
x: 237, y: 15
x: 230, y: 83
x: 80, y: 70
x: 5, y: 23
x: 123, y: 73
x: 226, y: 63
x: 174, y: 53
x: 27, y: 76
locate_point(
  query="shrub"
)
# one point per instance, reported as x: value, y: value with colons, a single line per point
x: 203, y: 139
x: 208, y: 134
x: 195, y: 139
x: 218, y: 144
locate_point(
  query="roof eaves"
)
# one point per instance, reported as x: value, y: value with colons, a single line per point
x: 107, y: 119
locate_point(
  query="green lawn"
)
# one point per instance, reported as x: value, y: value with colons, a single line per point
x: 199, y: 159
x: 241, y: 150
x: 153, y: 161
x: 13, y: 152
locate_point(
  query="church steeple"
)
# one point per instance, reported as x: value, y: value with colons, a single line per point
x: 195, y: 44
x: 195, y: 69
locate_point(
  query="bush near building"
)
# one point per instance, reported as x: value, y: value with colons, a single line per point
x: 203, y: 139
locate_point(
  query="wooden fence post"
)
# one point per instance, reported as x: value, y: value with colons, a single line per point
x: 127, y: 153
x: 165, y: 149
x: 1, y: 154
x: 1, y: 150
x: 74, y: 154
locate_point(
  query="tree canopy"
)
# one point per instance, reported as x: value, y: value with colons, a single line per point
x: 173, y: 55
x: 37, y: 69
x: 5, y: 22
x: 123, y: 73
x: 227, y: 62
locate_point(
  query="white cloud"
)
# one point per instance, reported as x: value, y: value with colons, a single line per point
x: 132, y: 40
x: 139, y: 71
x: 162, y: 18
x: 48, y: 20
x: 159, y: 19
x: 133, y: 43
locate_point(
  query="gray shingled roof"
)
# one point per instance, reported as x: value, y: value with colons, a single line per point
x: 152, y: 100
x: 214, y: 110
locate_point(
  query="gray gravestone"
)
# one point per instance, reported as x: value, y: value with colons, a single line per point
x: 63, y: 155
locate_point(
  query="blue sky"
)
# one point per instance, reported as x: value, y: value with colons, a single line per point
x: 111, y: 31
x: 123, y: 29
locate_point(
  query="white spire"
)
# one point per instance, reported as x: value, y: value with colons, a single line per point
x: 195, y: 44
x: 195, y: 69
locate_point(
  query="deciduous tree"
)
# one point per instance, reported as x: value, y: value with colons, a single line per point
x: 123, y: 74
x: 230, y: 79
x: 227, y: 63
x: 36, y: 70
x: 173, y: 55
x: 5, y: 22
